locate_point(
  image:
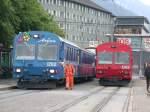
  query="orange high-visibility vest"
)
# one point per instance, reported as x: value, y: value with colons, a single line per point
x: 67, y: 70
x: 72, y: 70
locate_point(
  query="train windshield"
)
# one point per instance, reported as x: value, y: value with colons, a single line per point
x: 25, y: 51
x: 121, y: 58
x: 47, y: 52
x: 105, y: 58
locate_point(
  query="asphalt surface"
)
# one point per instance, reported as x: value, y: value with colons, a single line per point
x: 85, y: 97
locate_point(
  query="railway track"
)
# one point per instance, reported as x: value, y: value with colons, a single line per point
x: 65, y: 107
x: 105, y: 100
x: 99, y: 107
x: 14, y: 93
x: 102, y: 103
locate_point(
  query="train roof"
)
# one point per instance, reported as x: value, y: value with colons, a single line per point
x: 59, y: 38
x: 109, y: 45
x: 73, y: 44
x: 67, y: 41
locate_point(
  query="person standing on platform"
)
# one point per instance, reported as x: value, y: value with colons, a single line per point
x: 147, y: 76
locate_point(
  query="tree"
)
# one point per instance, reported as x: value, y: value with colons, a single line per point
x: 34, y: 17
x: 24, y: 15
x: 8, y: 22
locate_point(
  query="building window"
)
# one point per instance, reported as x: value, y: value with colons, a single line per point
x: 62, y: 3
x: 74, y: 16
x: 72, y: 5
x: 68, y: 27
x: 73, y: 37
x: 54, y: 1
x: 54, y: 13
x: 62, y: 14
x: 68, y: 15
x: 61, y: 25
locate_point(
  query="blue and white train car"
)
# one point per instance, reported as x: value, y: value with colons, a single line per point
x: 39, y: 57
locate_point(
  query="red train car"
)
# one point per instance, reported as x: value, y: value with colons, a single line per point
x: 114, y: 63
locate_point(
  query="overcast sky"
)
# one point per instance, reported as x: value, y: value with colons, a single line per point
x: 146, y: 2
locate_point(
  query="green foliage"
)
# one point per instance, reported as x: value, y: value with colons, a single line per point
x: 24, y: 15
x: 8, y: 22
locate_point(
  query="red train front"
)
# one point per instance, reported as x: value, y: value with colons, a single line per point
x: 114, y: 63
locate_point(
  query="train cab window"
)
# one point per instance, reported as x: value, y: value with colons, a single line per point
x: 25, y: 51
x: 121, y: 58
x: 105, y: 58
x: 47, y: 52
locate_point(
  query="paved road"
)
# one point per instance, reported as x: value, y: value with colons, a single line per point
x: 85, y: 97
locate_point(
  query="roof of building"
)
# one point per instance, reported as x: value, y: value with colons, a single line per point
x: 129, y: 35
x: 133, y: 17
x: 91, y: 4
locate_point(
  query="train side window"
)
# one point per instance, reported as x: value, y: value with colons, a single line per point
x: 78, y: 57
x: 67, y: 58
x: 71, y: 54
x: 84, y: 58
x: 68, y: 53
x: 75, y: 55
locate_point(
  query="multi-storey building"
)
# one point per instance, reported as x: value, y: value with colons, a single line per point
x: 83, y: 21
x: 132, y: 25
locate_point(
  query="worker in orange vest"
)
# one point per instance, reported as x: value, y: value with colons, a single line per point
x: 72, y: 71
x: 66, y: 71
x: 69, y: 73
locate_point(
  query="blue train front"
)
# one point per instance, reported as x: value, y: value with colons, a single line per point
x: 38, y: 59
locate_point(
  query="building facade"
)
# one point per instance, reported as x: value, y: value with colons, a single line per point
x: 83, y: 21
x: 132, y: 25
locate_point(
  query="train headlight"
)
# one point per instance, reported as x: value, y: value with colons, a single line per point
x: 126, y: 72
x: 100, y: 71
x: 51, y: 71
x: 18, y: 70
x: 36, y: 36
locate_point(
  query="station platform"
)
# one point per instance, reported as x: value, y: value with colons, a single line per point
x: 7, y: 84
x: 139, y: 99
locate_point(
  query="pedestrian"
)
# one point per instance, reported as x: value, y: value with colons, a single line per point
x: 147, y: 76
x: 69, y: 74
x: 145, y: 65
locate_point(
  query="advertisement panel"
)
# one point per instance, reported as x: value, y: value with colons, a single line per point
x: 146, y: 44
x: 124, y: 40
